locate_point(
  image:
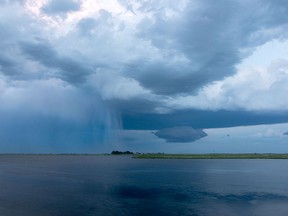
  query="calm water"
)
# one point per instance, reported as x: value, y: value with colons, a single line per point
x: 112, y: 185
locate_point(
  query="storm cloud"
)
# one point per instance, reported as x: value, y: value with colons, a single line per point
x: 180, y: 134
x: 62, y: 58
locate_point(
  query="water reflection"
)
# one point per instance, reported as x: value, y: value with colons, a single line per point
x: 96, y: 185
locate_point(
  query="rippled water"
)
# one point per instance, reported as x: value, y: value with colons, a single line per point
x: 120, y: 185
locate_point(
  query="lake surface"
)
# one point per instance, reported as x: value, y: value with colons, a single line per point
x: 119, y: 185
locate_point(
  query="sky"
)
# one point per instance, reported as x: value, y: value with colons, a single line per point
x: 72, y: 72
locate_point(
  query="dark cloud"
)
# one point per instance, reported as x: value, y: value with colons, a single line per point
x: 8, y: 66
x: 61, y: 6
x: 68, y: 69
x: 147, y: 60
x: 169, y: 79
x: 209, y: 35
x: 200, y: 119
x: 133, y: 106
x: 180, y: 134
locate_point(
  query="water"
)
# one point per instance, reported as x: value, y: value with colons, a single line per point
x: 120, y: 185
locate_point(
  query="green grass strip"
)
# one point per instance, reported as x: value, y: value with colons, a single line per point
x: 211, y: 156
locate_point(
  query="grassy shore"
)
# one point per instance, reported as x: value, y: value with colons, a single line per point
x: 211, y: 156
x: 173, y: 156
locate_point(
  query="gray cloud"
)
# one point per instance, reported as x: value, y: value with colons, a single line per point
x: 87, y: 26
x: 137, y: 57
x: 174, y: 48
x: 180, y: 134
x: 8, y: 66
x: 9, y: 2
x: 61, y: 6
x: 69, y: 69
x: 209, y: 35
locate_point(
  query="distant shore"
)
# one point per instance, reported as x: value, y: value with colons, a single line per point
x: 169, y: 156
x: 211, y: 156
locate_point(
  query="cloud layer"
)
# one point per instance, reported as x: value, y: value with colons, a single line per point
x: 60, y: 58
x: 158, y: 52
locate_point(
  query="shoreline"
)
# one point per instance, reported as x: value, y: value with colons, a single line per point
x: 213, y: 156
x: 168, y: 156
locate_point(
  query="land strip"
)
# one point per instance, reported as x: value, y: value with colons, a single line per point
x: 211, y: 156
